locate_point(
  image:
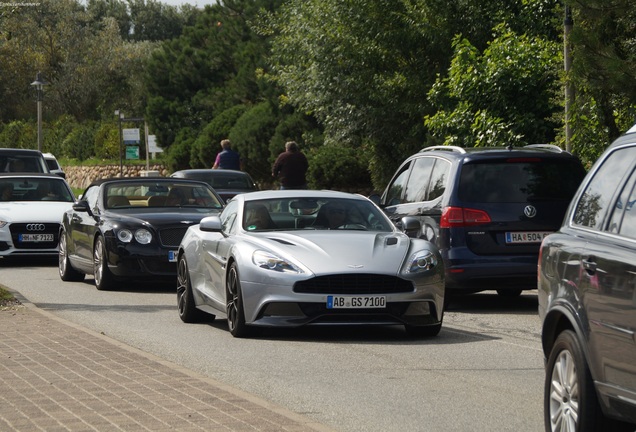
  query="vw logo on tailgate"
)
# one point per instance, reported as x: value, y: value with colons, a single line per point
x: 530, y: 211
x: 35, y: 227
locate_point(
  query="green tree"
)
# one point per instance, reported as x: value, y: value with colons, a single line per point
x: 504, y: 96
x: 363, y: 67
x: 603, y: 73
x: 207, y: 70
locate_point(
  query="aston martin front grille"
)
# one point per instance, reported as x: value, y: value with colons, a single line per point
x: 171, y: 237
x: 354, y: 284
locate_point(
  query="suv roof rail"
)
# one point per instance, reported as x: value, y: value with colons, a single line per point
x: 446, y: 148
x: 551, y: 147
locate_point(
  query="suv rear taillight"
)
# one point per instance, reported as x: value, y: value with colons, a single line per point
x: 455, y: 217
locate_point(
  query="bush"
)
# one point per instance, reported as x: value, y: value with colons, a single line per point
x: 338, y: 168
x: 80, y: 143
x: 207, y: 144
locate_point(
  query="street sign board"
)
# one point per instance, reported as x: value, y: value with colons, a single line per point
x: 131, y: 136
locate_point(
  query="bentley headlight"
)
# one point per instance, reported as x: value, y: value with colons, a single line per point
x: 421, y: 261
x: 124, y: 235
x: 143, y: 236
x: 270, y: 261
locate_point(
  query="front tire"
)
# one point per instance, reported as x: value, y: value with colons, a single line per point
x: 570, y: 400
x: 104, y: 279
x: 423, y: 331
x: 234, y: 304
x: 67, y: 272
x: 185, y: 299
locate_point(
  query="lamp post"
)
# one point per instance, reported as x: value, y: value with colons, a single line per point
x: 120, y: 115
x: 39, y: 84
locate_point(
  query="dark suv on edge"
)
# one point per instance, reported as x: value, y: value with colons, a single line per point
x: 587, y: 301
x: 22, y: 160
x: 487, y: 209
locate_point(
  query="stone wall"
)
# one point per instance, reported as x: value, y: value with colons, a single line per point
x: 81, y: 176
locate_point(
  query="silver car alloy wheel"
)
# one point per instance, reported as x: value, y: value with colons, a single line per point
x: 233, y: 299
x: 564, y: 394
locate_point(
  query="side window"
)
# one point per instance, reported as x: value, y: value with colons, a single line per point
x: 439, y: 178
x: 91, y: 196
x: 396, y: 188
x: 418, y: 180
x: 593, y: 206
x: 228, y: 218
x: 628, y: 225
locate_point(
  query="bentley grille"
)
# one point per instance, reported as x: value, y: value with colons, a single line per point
x: 171, y: 237
x: 354, y: 284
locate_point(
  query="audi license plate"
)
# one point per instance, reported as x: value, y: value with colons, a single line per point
x: 526, y: 236
x: 355, y: 302
x: 35, y: 237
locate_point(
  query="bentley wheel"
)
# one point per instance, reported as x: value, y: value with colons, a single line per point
x: 185, y: 299
x: 67, y: 272
x: 104, y: 279
x: 234, y: 300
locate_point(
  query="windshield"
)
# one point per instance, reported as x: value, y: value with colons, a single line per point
x: 35, y: 189
x: 159, y: 194
x: 314, y: 214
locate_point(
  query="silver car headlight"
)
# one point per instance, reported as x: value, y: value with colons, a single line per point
x: 270, y: 261
x: 421, y: 261
x: 3, y: 223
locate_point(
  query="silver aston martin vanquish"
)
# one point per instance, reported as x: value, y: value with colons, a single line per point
x: 292, y: 258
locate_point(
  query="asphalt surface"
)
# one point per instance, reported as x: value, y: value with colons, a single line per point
x: 58, y: 376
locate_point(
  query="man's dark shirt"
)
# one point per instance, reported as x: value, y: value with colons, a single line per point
x: 290, y: 168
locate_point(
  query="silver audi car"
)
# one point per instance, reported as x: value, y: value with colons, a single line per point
x: 291, y: 258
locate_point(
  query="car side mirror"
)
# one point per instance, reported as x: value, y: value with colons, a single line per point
x: 211, y: 224
x: 410, y: 225
x: 81, y: 206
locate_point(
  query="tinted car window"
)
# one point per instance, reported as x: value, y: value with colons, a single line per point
x: 439, y: 178
x: 518, y: 181
x: 228, y: 217
x: 418, y: 180
x: 394, y: 192
x: 628, y: 224
x: 593, y: 204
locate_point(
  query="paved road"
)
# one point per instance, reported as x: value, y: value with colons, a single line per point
x: 484, y: 372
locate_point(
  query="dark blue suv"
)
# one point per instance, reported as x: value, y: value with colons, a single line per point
x: 486, y: 209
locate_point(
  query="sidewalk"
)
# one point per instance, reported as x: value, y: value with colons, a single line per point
x: 57, y: 376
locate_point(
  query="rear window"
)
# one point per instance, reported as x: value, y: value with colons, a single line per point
x: 520, y: 180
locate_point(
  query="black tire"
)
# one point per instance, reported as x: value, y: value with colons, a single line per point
x: 234, y: 304
x: 570, y: 400
x: 509, y: 292
x: 185, y: 299
x: 67, y: 272
x: 423, y: 331
x: 104, y: 279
